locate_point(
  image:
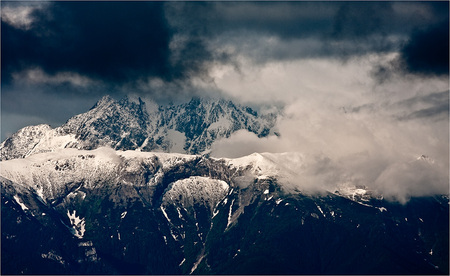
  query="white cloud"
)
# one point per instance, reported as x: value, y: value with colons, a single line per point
x: 38, y: 76
x: 177, y: 140
x: 337, y: 115
x: 20, y: 16
x: 243, y: 142
x: 418, y: 177
x: 304, y: 79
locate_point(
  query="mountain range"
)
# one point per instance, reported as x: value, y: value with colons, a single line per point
x: 129, y: 125
x: 104, y: 194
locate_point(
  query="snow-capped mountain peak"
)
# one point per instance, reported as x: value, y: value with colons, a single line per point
x: 127, y: 125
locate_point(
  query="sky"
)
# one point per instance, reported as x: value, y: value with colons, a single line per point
x: 363, y: 86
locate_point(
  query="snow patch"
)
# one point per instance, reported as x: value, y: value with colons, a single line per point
x: 180, y: 216
x: 78, y: 224
x: 216, y: 211
x: 85, y: 244
x: 40, y: 193
x: 196, y: 264
x: 53, y: 256
x: 173, y: 235
x: 320, y: 209
x: 230, y: 213
x: 23, y: 206
x: 196, y: 189
x: 165, y: 214
x: 122, y: 216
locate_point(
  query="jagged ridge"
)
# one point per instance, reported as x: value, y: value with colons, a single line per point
x: 128, y: 125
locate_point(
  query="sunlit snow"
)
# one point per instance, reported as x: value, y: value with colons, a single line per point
x: 122, y: 216
x: 23, y: 206
x: 78, y: 224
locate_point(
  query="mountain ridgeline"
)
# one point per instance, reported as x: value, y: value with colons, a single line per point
x: 126, y: 212
x: 128, y: 125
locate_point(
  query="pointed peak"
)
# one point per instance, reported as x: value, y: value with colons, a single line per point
x: 133, y: 99
x: 426, y: 158
x: 105, y: 100
x: 195, y: 100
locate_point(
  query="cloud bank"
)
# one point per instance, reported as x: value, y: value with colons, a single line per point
x: 391, y: 137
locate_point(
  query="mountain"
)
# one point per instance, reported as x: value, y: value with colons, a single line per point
x: 107, y: 211
x: 127, y: 125
x: 129, y: 188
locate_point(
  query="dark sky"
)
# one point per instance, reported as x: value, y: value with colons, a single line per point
x: 58, y: 58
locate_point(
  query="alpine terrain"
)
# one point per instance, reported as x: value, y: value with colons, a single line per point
x: 123, y: 189
x: 128, y: 125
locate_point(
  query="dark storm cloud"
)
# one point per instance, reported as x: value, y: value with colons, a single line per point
x: 359, y: 20
x: 293, y: 20
x: 121, y: 42
x: 427, y: 51
x: 338, y: 29
x: 109, y: 41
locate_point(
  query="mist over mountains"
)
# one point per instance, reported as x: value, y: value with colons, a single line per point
x: 106, y: 193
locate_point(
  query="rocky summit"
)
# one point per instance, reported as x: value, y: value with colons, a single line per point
x: 127, y: 125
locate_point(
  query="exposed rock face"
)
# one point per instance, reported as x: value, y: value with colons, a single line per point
x: 127, y: 125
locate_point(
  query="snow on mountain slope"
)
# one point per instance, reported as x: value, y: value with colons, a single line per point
x: 34, y: 139
x: 196, y: 190
x: 127, y: 125
x: 56, y: 174
x: 122, y: 125
x: 285, y: 165
x: 166, y: 213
